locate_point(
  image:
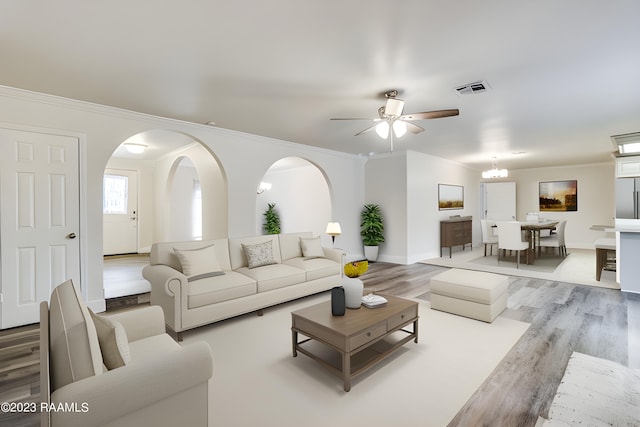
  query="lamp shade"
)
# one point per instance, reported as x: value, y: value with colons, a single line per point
x: 382, y: 129
x: 333, y: 229
x: 399, y: 128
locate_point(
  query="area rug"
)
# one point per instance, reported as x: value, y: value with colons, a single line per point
x: 578, y: 267
x: 257, y: 381
x: 596, y: 392
x: 543, y: 263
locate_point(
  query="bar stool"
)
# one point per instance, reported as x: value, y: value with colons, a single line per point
x: 603, y: 248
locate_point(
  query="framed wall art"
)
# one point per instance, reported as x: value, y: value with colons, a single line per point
x: 450, y: 197
x: 558, y: 196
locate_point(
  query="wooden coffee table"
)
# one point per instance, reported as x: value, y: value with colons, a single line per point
x: 362, y: 337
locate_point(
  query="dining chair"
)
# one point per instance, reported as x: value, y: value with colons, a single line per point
x: 488, y: 236
x: 510, y: 238
x: 555, y: 240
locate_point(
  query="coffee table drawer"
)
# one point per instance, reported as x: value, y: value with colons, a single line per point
x: 367, y: 335
x: 402, y: 317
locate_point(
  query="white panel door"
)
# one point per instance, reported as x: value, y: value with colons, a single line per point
x: 40, y: 214
x: 120, y: 212
x: 499, y: 200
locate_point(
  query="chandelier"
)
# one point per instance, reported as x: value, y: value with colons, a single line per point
x: 494, y: 172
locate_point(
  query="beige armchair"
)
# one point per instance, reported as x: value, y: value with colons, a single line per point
x: 159, y: 382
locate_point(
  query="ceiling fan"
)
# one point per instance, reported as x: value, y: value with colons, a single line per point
x: 391, y: 121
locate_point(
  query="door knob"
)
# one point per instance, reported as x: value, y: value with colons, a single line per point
x: 71, y: 236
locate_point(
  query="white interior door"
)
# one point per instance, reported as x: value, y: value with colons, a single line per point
x: 40, y: 213
x: 120, y: 212
x: 499, y: 200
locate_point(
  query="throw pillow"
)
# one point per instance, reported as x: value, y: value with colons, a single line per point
x: 311, y: 247
x: 199, y: 263
x: 113, y: 341
x: 259, y: 254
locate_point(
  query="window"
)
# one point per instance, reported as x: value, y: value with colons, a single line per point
x: 114, y: 194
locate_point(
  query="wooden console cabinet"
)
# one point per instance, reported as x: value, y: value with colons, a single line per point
x: 455, y: 232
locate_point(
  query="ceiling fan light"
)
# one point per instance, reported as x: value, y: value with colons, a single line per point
x: 382, y: 129
x: 399, y: 128
x: 135, y: 148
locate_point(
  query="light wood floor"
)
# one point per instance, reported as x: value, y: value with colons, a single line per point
x: 564, y: 318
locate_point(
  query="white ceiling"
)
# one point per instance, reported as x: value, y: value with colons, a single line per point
x: 563, y: 74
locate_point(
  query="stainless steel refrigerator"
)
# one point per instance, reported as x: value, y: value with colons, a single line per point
x: 628, y: 198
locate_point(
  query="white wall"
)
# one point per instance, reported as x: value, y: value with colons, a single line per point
x: 302, y: 199
x: 181, y: 201
x: 243, y: 157
x: 386, y: 186
x: 424, y: 174
x: 405, y: 185
x: 596, y: 198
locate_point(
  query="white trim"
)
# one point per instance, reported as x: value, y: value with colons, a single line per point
x: 158, y: 121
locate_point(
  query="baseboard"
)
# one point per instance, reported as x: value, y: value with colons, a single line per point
x: 127, y: 301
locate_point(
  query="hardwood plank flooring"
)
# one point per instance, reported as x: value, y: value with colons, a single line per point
x: 564, y: 318
x: 20, y: 372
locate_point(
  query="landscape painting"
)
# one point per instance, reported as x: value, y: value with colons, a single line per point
x: 558, y: 196
x: 450, y: 197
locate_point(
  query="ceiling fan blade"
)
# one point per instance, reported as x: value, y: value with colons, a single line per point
x: 353, y: 118
x: 413, y: 128
x: 370, y: 128
x: 430, y: 114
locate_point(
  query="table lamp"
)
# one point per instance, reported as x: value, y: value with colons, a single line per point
x: 333, y: 230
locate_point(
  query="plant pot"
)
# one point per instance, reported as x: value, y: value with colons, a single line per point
x: 371, y: 253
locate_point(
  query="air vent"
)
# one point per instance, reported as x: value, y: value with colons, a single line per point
x: 475, y: 87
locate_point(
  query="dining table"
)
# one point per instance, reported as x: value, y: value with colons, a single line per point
x: 532, y: 230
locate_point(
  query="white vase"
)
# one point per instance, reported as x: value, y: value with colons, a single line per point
x: 353, y: 289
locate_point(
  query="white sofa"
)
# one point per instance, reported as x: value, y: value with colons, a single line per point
x: 117, y: 370
x: 231, y: 287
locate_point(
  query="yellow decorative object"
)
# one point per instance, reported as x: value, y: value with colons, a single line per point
x: 356, y: 268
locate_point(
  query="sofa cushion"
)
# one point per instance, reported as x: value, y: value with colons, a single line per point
x: 315, y: 268
x: 146, y: 349
x: 259, y: 254
x: 311, y: 247
x: 212, y: 290
x: 199, y: 263
x: 74, y: 347
x: 114, y: 344
x: 290, y: 244
x: 274, y: 276
x: 237, y: 254
x: 164, y: 252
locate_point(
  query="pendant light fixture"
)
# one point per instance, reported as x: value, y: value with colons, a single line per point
x: 494, y: 172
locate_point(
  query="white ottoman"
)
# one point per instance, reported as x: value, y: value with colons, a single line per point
x: 474, y: 294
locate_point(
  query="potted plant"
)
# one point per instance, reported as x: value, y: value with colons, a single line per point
x: 371, y: 230
x: 271, y: 220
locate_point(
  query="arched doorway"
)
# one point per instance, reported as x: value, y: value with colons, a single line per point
x: 160, y: 173
x: 301, y: 193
